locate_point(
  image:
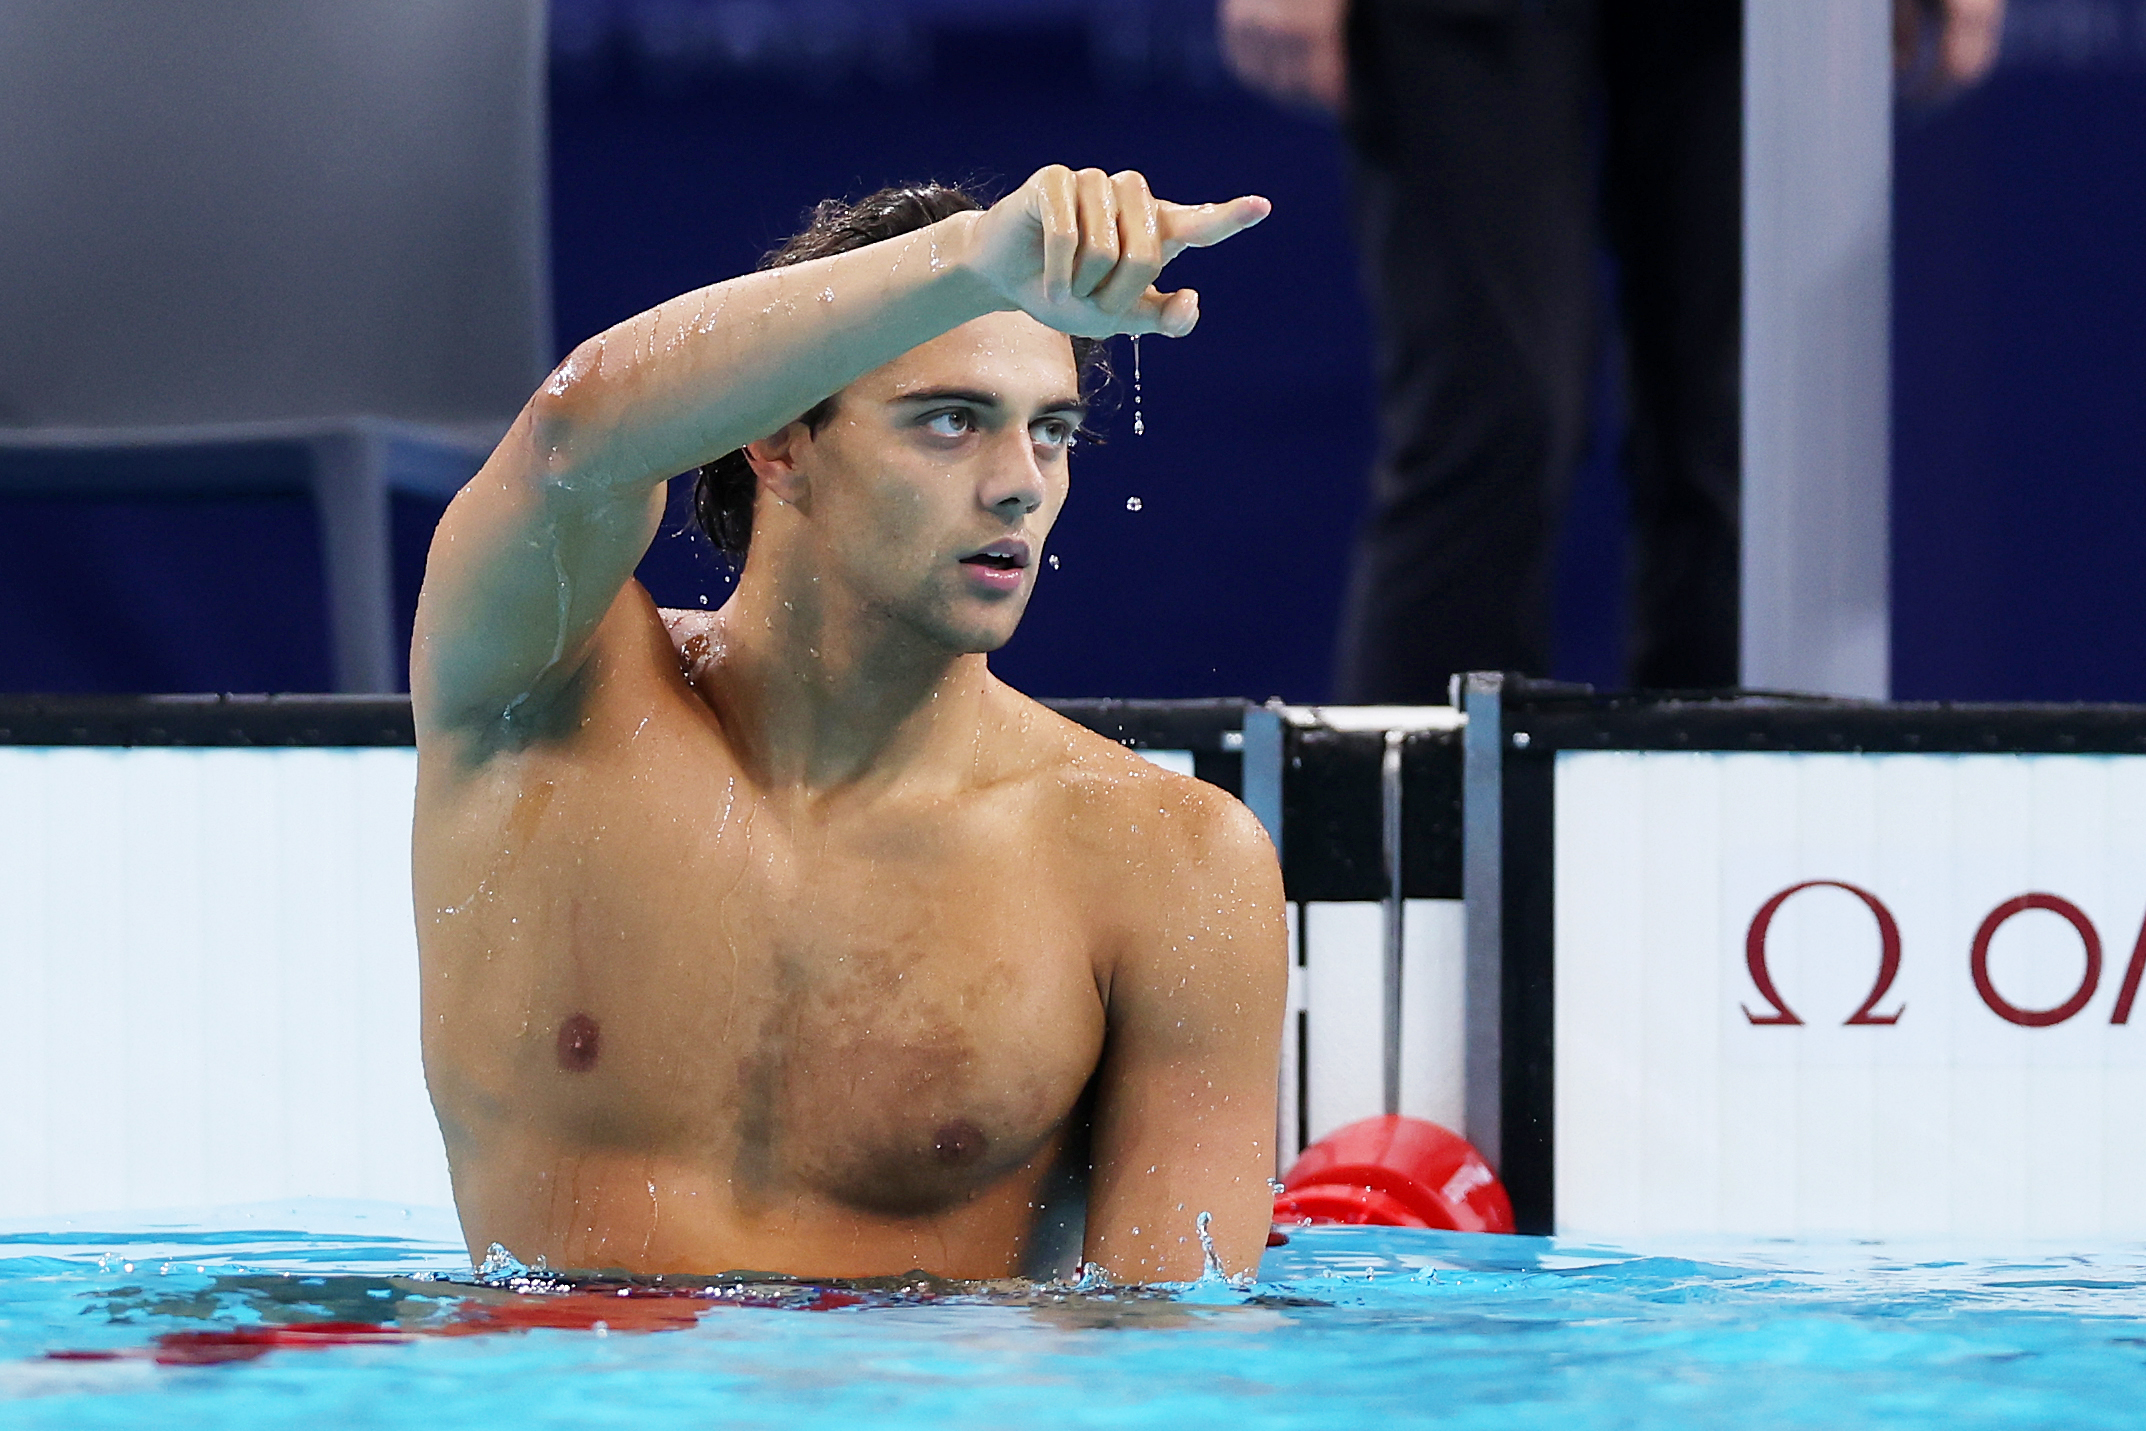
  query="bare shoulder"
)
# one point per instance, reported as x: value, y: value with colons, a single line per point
x: 1136, y: 817
x: 1180, y: 890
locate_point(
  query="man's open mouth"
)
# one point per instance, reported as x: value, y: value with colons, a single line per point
x: 1000, y: 556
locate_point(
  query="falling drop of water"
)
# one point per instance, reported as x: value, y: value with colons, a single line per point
x: 1140, y: 425
x: 1133, y: 504
x: 1054, y: 561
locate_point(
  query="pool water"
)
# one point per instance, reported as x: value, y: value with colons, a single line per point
x: 217, y: 1322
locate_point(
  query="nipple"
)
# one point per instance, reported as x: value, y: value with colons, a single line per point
x: 1140, y: 426
x: 577, y: 1043
x: 957, y: 1142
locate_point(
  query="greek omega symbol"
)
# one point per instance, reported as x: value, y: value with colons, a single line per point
x: 1978, y: 956
x: 1888, y: 956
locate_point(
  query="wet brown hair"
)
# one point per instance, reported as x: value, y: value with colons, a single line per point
x: 724, y: 491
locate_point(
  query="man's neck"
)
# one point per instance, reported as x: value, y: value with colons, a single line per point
x: 817, y: 694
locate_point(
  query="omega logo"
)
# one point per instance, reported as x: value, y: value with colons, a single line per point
x: 1977, y: 961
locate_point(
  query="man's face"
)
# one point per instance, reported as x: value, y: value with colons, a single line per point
x: 938, y: 477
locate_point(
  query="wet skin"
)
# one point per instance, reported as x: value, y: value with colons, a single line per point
x: 786, y: 937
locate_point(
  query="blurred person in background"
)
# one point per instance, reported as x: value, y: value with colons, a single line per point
x: 1497, y: 148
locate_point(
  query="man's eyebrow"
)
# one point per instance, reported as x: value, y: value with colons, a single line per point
x: 977, y: 397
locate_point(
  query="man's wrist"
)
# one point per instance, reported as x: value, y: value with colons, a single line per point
x: 957, y: 254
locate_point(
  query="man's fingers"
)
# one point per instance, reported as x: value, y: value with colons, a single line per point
x: 1103, y: 239
x: 1967, y: 45
x: 1140, y: 255
x: 1266, y: 62
x: 1171, y: 314
x: 1288, y: 50
x: 1098, y: 252
x: 1204, y: 225
x: 1058, y: 211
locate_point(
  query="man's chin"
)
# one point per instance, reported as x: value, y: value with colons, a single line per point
x: 963, y: 638
x: 980, y: 632
x: 977, y: 642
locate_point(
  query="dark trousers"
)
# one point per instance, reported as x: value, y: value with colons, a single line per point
x: 1498, y: 146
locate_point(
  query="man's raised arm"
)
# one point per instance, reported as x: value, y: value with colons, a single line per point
x: 533, y: 552
x: 1185, y: 1098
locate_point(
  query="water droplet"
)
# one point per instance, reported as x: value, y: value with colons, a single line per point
x: 1140, y: 425
x: 1054, y: 561
x: 1133, y: 504
x: 827, y: 295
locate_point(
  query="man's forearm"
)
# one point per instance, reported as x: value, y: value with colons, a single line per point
x: 714, y: 369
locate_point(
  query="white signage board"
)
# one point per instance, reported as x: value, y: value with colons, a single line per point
x: 1866, y: 995
x: 208, y: 976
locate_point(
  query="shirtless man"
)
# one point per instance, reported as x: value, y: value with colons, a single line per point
x: 785, y: 937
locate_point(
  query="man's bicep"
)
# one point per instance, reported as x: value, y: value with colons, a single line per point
x: 1175, y: 1138
x: 1185, y: 1099
x: 521, y: 571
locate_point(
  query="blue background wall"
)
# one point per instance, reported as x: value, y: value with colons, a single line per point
x: 686, y: 139
x: 2019, y: 439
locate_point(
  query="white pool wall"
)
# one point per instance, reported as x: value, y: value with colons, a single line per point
x: 208, y: 980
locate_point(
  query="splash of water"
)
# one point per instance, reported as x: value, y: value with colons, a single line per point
x: 1210, y: 1260
x: 1091, y: 1278
x: 500, y: 1266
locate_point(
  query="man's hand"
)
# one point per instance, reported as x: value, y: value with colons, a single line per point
x: 1080, y: 251
x: 1961, y: 37
x: 1288, y: 50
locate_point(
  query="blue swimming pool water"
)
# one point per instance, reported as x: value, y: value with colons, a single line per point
x: 1346, y: 1328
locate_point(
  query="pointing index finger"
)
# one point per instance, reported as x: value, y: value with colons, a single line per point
x: 1204, y: 225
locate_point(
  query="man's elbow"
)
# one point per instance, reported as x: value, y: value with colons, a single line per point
x: 565, y: 414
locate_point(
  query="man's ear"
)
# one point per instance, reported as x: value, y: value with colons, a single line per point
x: 776, y: 463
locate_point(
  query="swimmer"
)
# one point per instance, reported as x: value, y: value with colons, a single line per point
x: 785, y: 937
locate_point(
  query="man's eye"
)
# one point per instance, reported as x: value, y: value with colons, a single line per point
x: 1055, y: 432
x: 952, y: 423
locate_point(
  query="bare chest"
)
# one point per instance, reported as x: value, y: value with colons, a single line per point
x: 889, y: 1015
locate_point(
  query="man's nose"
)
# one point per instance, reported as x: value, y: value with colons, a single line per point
x: 1014, y: 486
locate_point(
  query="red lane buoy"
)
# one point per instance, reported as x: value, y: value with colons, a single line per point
x: 1394, y: 1171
